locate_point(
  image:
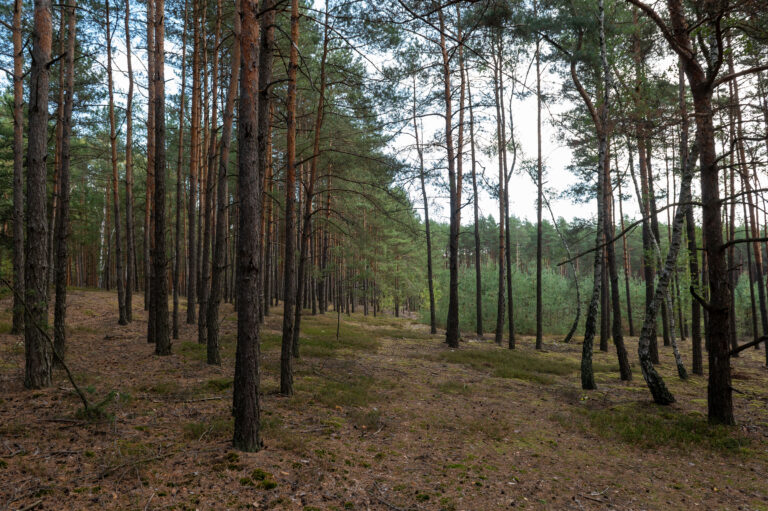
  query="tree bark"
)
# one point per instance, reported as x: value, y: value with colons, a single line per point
x: 476, y: 207
x: 130, y: 239
x: 17, y: 325
x: 219, y: 252
x: 177, y: 256
x: 62, y: 215
x: 452, y: 332
x: 159, y: 263
x: 425, y: 200
x: 500, y: 141
x: 266, y: 107
x: 625, y: 370
x: 194, y: 162
x: 210, y: 184
x: 119, y: 279
x: 306, y: 232
x: 148, y: 212
x: 38, y: 351
x: 246, y: 384
x: 288, y: 350
x: 539, y: 200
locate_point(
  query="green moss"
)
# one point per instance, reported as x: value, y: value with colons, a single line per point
x: 517, y: 364
x: 217, y: 427
x: 365, y: 419
x: 648, y: 425
x: 219, y: 384
x: 357, y: 390
x: 192, y: 350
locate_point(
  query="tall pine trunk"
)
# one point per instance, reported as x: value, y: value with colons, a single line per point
x: 130, y: 239
x: 425, y: 200
x: 245, y: 399
x: 288, y: 350
x: 476, y: 208
x: 159, y: 263
x: 210, y: 184
x: 17, y: 325
x: 120, y: 277
x: 306, y: 231
x: 452, y: 332
x: 194, y: 161
x: 219, y: 250
x: 37, y: 350
x: 62, y: 216
x: 177, y: 256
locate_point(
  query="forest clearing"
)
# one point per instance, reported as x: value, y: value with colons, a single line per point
x: 384, y: 418
x: 447, y: 255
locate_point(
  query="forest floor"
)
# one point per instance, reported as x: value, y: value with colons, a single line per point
x: 385, y: 418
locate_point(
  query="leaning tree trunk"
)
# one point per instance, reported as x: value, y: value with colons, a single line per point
x: 661, y: 395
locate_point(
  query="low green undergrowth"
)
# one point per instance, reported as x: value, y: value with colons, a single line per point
x: 649, y: 426
x: 534, y: 367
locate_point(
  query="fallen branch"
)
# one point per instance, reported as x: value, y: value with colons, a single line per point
x: 112, y: 470
x: 40, y: 329
x: 31, y: 506
x: 741, y: 348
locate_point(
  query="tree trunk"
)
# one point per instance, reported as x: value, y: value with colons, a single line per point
x: 246, y: 384
x: 476, y: 207
x: 177, y: 257
x: 37, y: 349
x: 430, y: 281
x: 266, y: 109
x: 539, y: 200
x: 17, y: 325
x: 306, y: 232
x: 499, y: 333
x: 219, y: 252
x: 210, y: 184
x: 625, y: 260
x: 159, y: 263
x: 119, y: 279
x: 194, y: 161
x: 148, y: 212
x: 62, y: 215
x: 289, y: 295
x: 452, y: 332
x: 625, y: 370
x: 690, y: 224
x: 130, y: 239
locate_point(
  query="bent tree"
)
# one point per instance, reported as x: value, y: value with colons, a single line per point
x: 702, y: 68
